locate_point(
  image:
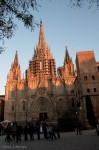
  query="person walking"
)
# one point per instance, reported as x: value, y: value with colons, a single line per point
x: 26, y: 131
x: 38, y: 129
x: 44, y: 126
x: 53, y: 132
x: 8, y: 133
x: 31, y: 131
x: 19, y: 131
x: 79, y: 128
x: 58, y: 131
x: 14, y: 132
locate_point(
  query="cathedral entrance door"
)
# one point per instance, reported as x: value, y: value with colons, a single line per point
x: 43, y: 116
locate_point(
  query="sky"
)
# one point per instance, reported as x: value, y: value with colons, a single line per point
x: 76, y: 28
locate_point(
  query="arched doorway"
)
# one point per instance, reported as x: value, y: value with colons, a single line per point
x: 43, y: 116
x: 42, y: 109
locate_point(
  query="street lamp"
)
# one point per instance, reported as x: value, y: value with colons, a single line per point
x: 79, y: 110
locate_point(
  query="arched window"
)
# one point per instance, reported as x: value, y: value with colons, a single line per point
x: 60, y: 100
x: 23, y: 105
x: 85, y: 77
x: 78, y: 103
x: 73, y: 103
x: 95, y: 90
x: 88, y: 90
x: 61, y: 103
x: 93, y: 77
x: 98, y: 68
x: 12, y: 106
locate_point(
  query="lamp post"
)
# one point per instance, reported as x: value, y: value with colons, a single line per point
x: 79, y: 112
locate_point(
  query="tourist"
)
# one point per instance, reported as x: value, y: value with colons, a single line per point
x: 38, y: 129
x: 31, y: 131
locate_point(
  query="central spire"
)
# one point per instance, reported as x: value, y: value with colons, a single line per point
x: 16, y: 59
x: 42, y: 62
x: 41, y: 37
x: 67, y: 57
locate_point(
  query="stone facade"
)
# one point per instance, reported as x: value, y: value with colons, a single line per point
x: 41, y: 94
x: 2, y: 100
x: 45, y: 93
x: 87, y: 83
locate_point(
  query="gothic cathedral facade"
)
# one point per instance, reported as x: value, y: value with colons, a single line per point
x: 44, y: 93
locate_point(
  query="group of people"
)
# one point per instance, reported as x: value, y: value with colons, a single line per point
x: 50, y: 131
x: 15, y: 131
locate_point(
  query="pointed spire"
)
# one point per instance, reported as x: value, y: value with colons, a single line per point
x: 42, y: 51
x: 41, y: 35
x: 23, y: 75
x: 16, y: 59
x: 67, y: 57
x: 34, y: 56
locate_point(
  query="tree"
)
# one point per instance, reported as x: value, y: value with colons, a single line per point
x: 90, y: 112
x: 23, y: 10
x: 80, y: 3
x: 20, y: 9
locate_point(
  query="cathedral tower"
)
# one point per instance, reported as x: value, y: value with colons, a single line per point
x: 42, y: 62
x: 68, y: 65
x: 12, y: 89
x: 41, y: 94
x: 40, y: 77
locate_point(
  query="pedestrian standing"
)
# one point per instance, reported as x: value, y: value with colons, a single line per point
x: 31, y: 131
x: 44, y: 126
x: 38, y: 129
x: 26, y: 131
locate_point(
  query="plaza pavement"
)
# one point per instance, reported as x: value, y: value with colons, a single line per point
x: 68, y: 141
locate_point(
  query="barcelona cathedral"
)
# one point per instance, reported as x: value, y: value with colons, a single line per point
x: 45, y: 93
